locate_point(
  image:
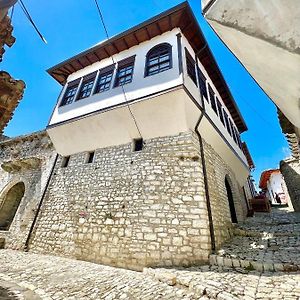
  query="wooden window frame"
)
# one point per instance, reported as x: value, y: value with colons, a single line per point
x: 73, y: 85
x: 190, y: 66
x: 220, y: 110
x: 156, y: 53
x: 213, y: 102
x: 202, y: 84
x: 123, y: 64
x: 107, y: 71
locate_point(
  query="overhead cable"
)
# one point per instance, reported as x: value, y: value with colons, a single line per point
x: 112, y: 57
x: 27, y: 14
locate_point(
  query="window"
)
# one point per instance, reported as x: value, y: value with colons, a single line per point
x: 227, y: 122
x: 233, y: 132
x: 190, y: 65
x: 219, y: 105
x: 158, y: 59
x: 125, y: 71
x: 239, y: 142
x: 138, y: 145
x: 212, y: 99
x: 65, y: 161
x: 90, y: 157
x: 104, y: 79
x: 86, y: 86
x: 202, y: 83
x: 70, y: 93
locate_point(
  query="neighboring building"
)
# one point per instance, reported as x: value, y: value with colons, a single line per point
x: 150, y: 170
x: 272, y: 184
x: 11, y: 90
x: 265, y: 37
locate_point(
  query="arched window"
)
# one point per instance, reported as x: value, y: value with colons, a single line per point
x: 159, y: 59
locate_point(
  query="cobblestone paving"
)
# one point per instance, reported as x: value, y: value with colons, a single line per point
x: 32, y: 276
x: 266, y: 242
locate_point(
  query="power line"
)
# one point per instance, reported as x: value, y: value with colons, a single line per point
x: 12, y: 12
x: 27, y: 14
x: 113, y: 60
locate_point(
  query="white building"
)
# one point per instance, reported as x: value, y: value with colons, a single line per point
x: 272, y: 183
x: 151, y: 169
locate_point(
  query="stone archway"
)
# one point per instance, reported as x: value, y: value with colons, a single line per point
x: 9, y: 203
x: 230, y: 201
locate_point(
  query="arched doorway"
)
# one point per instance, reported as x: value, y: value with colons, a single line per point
x: 230, y: 201
x: 9, y: 204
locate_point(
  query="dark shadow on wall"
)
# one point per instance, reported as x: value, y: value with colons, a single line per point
x: 10, y: 205
x: 292, y: 180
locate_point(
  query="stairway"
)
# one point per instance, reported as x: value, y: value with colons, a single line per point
x: 268, y: 242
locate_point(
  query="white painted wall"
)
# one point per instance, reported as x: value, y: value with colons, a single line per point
x: 265, y: 37
x: 194, y: 90
x: 275, y: 185
x: 139, y: 87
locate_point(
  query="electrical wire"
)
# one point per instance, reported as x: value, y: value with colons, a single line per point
x: 12, y: 12
x: 113, y: 60
x: 27, y: 14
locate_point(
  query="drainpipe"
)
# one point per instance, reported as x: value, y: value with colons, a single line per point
x: 208, y: 203
x: 26, y: 248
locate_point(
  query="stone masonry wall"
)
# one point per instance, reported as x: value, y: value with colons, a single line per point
x: 290, y: 169
x: 134, y: 209
x: 26, y: 159
x: 217, y: 170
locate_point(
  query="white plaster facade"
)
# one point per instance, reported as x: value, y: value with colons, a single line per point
x: 163, y: 104
x: 265, y: 38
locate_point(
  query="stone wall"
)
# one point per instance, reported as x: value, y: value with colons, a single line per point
x: 135, y: 209
x: 26, y: 159
x: 290, y: 169
x: 217, y: 170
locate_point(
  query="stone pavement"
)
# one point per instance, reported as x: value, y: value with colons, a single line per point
x: 266, y: 242
x: 33, y: 276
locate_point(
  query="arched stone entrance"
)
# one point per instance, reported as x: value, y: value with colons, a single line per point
x: 230, y: 201
x: 9, y: 203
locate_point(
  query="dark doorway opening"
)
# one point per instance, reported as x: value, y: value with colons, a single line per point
x: 231, y: 202
x: 10, y: 204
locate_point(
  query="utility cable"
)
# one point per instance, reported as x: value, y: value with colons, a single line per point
x: 27, y: 14
x: 113, y: 60
x: 12, y: 13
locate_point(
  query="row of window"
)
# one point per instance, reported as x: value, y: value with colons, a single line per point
x: 138, y: 145
x: 194, y: 71
x: 158, y: 59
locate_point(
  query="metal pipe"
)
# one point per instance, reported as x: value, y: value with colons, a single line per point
x: 26, y: 248
x: 207, y: 196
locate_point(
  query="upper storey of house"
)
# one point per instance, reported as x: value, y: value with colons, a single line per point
x: 163, y: 68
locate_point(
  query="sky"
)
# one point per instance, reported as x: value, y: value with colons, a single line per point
x: 72, y: 26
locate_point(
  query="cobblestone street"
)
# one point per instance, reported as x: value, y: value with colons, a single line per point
x: 33, y: 276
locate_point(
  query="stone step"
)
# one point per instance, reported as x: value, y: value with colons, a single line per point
x: 292, y: 231
x: 262, y: 253
x: 250, y: 265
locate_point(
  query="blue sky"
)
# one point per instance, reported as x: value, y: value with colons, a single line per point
x: 72, y: 26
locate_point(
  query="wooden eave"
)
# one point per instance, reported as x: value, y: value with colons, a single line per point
x: 180, y: 16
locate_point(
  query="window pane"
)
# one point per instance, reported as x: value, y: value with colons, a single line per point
x: 190, y: 64
x: 69, y: 95
x: 104, y: 82
x: 158, y: 60
x: 220, y: 111
x: 212, y: 99
x: 124, y: 75
x: 86, y: 89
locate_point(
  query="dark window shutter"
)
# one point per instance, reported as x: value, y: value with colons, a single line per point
x: 127, y: 61
x: 107, y: 69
